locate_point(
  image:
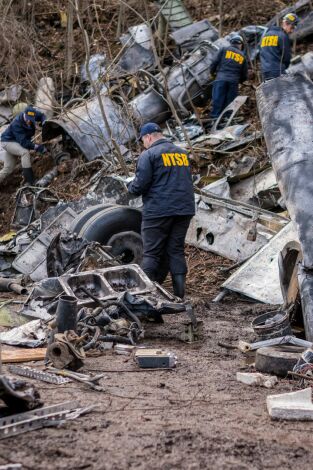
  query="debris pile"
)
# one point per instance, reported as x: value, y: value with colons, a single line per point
x: 75, y: 262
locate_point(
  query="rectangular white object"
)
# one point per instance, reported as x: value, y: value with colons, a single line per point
x: 295, y: 406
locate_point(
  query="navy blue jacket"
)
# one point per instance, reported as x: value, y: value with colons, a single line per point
x: 275, y: 52
x: 18, y: 131
x: 163, y: 179
x: 230, y: 65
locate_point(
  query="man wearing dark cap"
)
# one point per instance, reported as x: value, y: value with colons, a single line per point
x: 163, y: 179
x: 16, y: 140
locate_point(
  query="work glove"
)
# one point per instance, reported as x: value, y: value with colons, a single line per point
x: 40, y: 148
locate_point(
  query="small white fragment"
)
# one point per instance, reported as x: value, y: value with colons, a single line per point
x: 256, y: 378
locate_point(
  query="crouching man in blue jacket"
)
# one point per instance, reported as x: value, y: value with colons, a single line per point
x: 16, y: 140
x: 275, y: 53
x: 163, y: 179
x: 230, y: 66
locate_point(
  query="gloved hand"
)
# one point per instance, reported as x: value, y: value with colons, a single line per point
x: 40, y: 148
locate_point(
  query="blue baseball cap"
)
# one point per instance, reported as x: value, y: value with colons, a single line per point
x: 30, y: 113
x: 149, y: 128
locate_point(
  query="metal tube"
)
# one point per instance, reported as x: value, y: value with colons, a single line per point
x: 12, y: 285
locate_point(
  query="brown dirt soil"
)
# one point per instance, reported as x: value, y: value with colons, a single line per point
x: 193, y: 417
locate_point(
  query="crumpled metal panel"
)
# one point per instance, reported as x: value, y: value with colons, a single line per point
x: 286, y: 109
x: 85, y: 125
x: 224, y: 232
x: 191, y: 35
x: 258, y: 278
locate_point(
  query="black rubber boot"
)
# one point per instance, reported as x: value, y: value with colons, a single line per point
x: 178, y: 281
x: 29, y: 176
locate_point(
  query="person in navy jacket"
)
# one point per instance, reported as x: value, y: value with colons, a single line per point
x: 16, y: 140
x: 163, y: 179
x: 230, y: 67
x: 275, y: 53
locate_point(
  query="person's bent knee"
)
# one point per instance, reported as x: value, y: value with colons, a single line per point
x: 25, y: 159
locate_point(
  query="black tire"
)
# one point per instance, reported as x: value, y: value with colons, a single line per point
x: 277, y: 360
x: 111, y: 221
x: 85, y: 215
x: 127, y: 245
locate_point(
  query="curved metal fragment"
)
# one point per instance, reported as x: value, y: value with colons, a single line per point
x: 286, y: 109
x: 86, y: 126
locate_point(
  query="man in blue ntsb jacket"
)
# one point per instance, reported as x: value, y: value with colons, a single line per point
x: 231, y: 67
x: 16, y: 140
x: 275, y: 53
x: 163, y: 179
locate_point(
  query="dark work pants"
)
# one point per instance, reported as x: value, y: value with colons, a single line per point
x: 223, y: 94
x: 164, y: 246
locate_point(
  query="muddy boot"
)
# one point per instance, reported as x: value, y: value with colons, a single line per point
x: 178, y: 281
x: 29, y: 176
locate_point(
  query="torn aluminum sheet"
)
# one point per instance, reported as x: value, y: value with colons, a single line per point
x: 188, y: 37
x: 138, y: 53
x: 285, y: 108
x: 238, y: 169
x: 96, y: 67
x: 303, y: 8
x: 259, y: 190
x: 224, y: 231
x: 139, y: 34
x: 32, y: 261
x: 302, y: 64
x: 228, y: 114
x: 32, y: 334
x: 227, y: 133
x: 259, y: 278
x: 86, y: 127
x: 228, y: 147
x: 219, y: 188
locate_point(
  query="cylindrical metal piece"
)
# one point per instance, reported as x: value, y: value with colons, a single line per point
x: 66, y: 315
x: 8, y: 284
x: 60, y: 355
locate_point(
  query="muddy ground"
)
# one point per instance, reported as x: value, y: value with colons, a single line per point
x: 193, y: 417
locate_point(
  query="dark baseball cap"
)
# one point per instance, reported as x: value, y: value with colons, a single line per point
x: 30, y: 113
x: 149, y: 128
